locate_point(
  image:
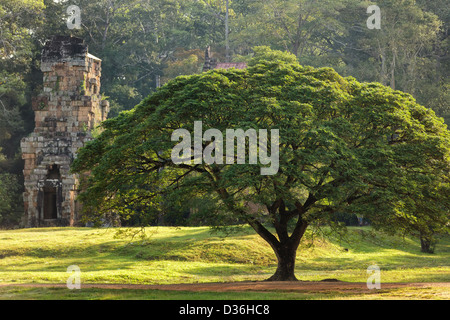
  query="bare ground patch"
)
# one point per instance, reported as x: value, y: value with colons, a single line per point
x: 257, y: 286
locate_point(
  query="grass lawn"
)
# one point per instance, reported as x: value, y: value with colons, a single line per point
x: 195, y: 255
x: 20, y: 293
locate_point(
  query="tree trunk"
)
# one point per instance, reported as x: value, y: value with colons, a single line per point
x: 286, y: 251
x: 286, y: 263
x: 285, y: 246
x: 427, y: 243
x: 227, y: 31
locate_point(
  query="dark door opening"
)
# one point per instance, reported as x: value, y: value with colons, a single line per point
x: 50, y: 204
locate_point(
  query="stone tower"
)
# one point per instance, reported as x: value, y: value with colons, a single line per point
x: 65, y: 113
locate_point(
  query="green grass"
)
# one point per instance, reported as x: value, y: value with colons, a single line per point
x: 129, y: 294
x: 191, y: 255
x: 20, y: 293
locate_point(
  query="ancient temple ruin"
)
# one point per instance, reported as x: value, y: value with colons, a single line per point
x: 69, y: 107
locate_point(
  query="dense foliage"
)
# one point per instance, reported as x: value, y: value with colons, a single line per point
x: 345, y: 147
x: 144, y: 42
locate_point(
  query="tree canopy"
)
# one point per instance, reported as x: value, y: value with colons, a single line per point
x: 146, y: 42
x: 345, y: 147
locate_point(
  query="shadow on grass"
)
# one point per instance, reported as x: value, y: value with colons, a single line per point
x: 21, y: 293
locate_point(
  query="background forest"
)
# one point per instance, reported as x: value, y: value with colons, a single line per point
x: 145, y: 43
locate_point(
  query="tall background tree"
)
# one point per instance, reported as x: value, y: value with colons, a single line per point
x: 18, y: 20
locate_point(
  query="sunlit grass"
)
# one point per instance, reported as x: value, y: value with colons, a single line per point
x: 190, y: 255
x: 27, y: 293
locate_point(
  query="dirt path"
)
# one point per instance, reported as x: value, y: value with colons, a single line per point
x: 300, y: 286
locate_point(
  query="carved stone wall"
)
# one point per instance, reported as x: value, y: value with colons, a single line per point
x: 69, y: 107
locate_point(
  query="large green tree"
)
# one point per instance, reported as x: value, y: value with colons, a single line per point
x: 19, y: 21
x: 344, y: 147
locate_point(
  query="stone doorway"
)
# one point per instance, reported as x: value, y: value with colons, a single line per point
x: 50, y: 203
x: 51, y: 189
